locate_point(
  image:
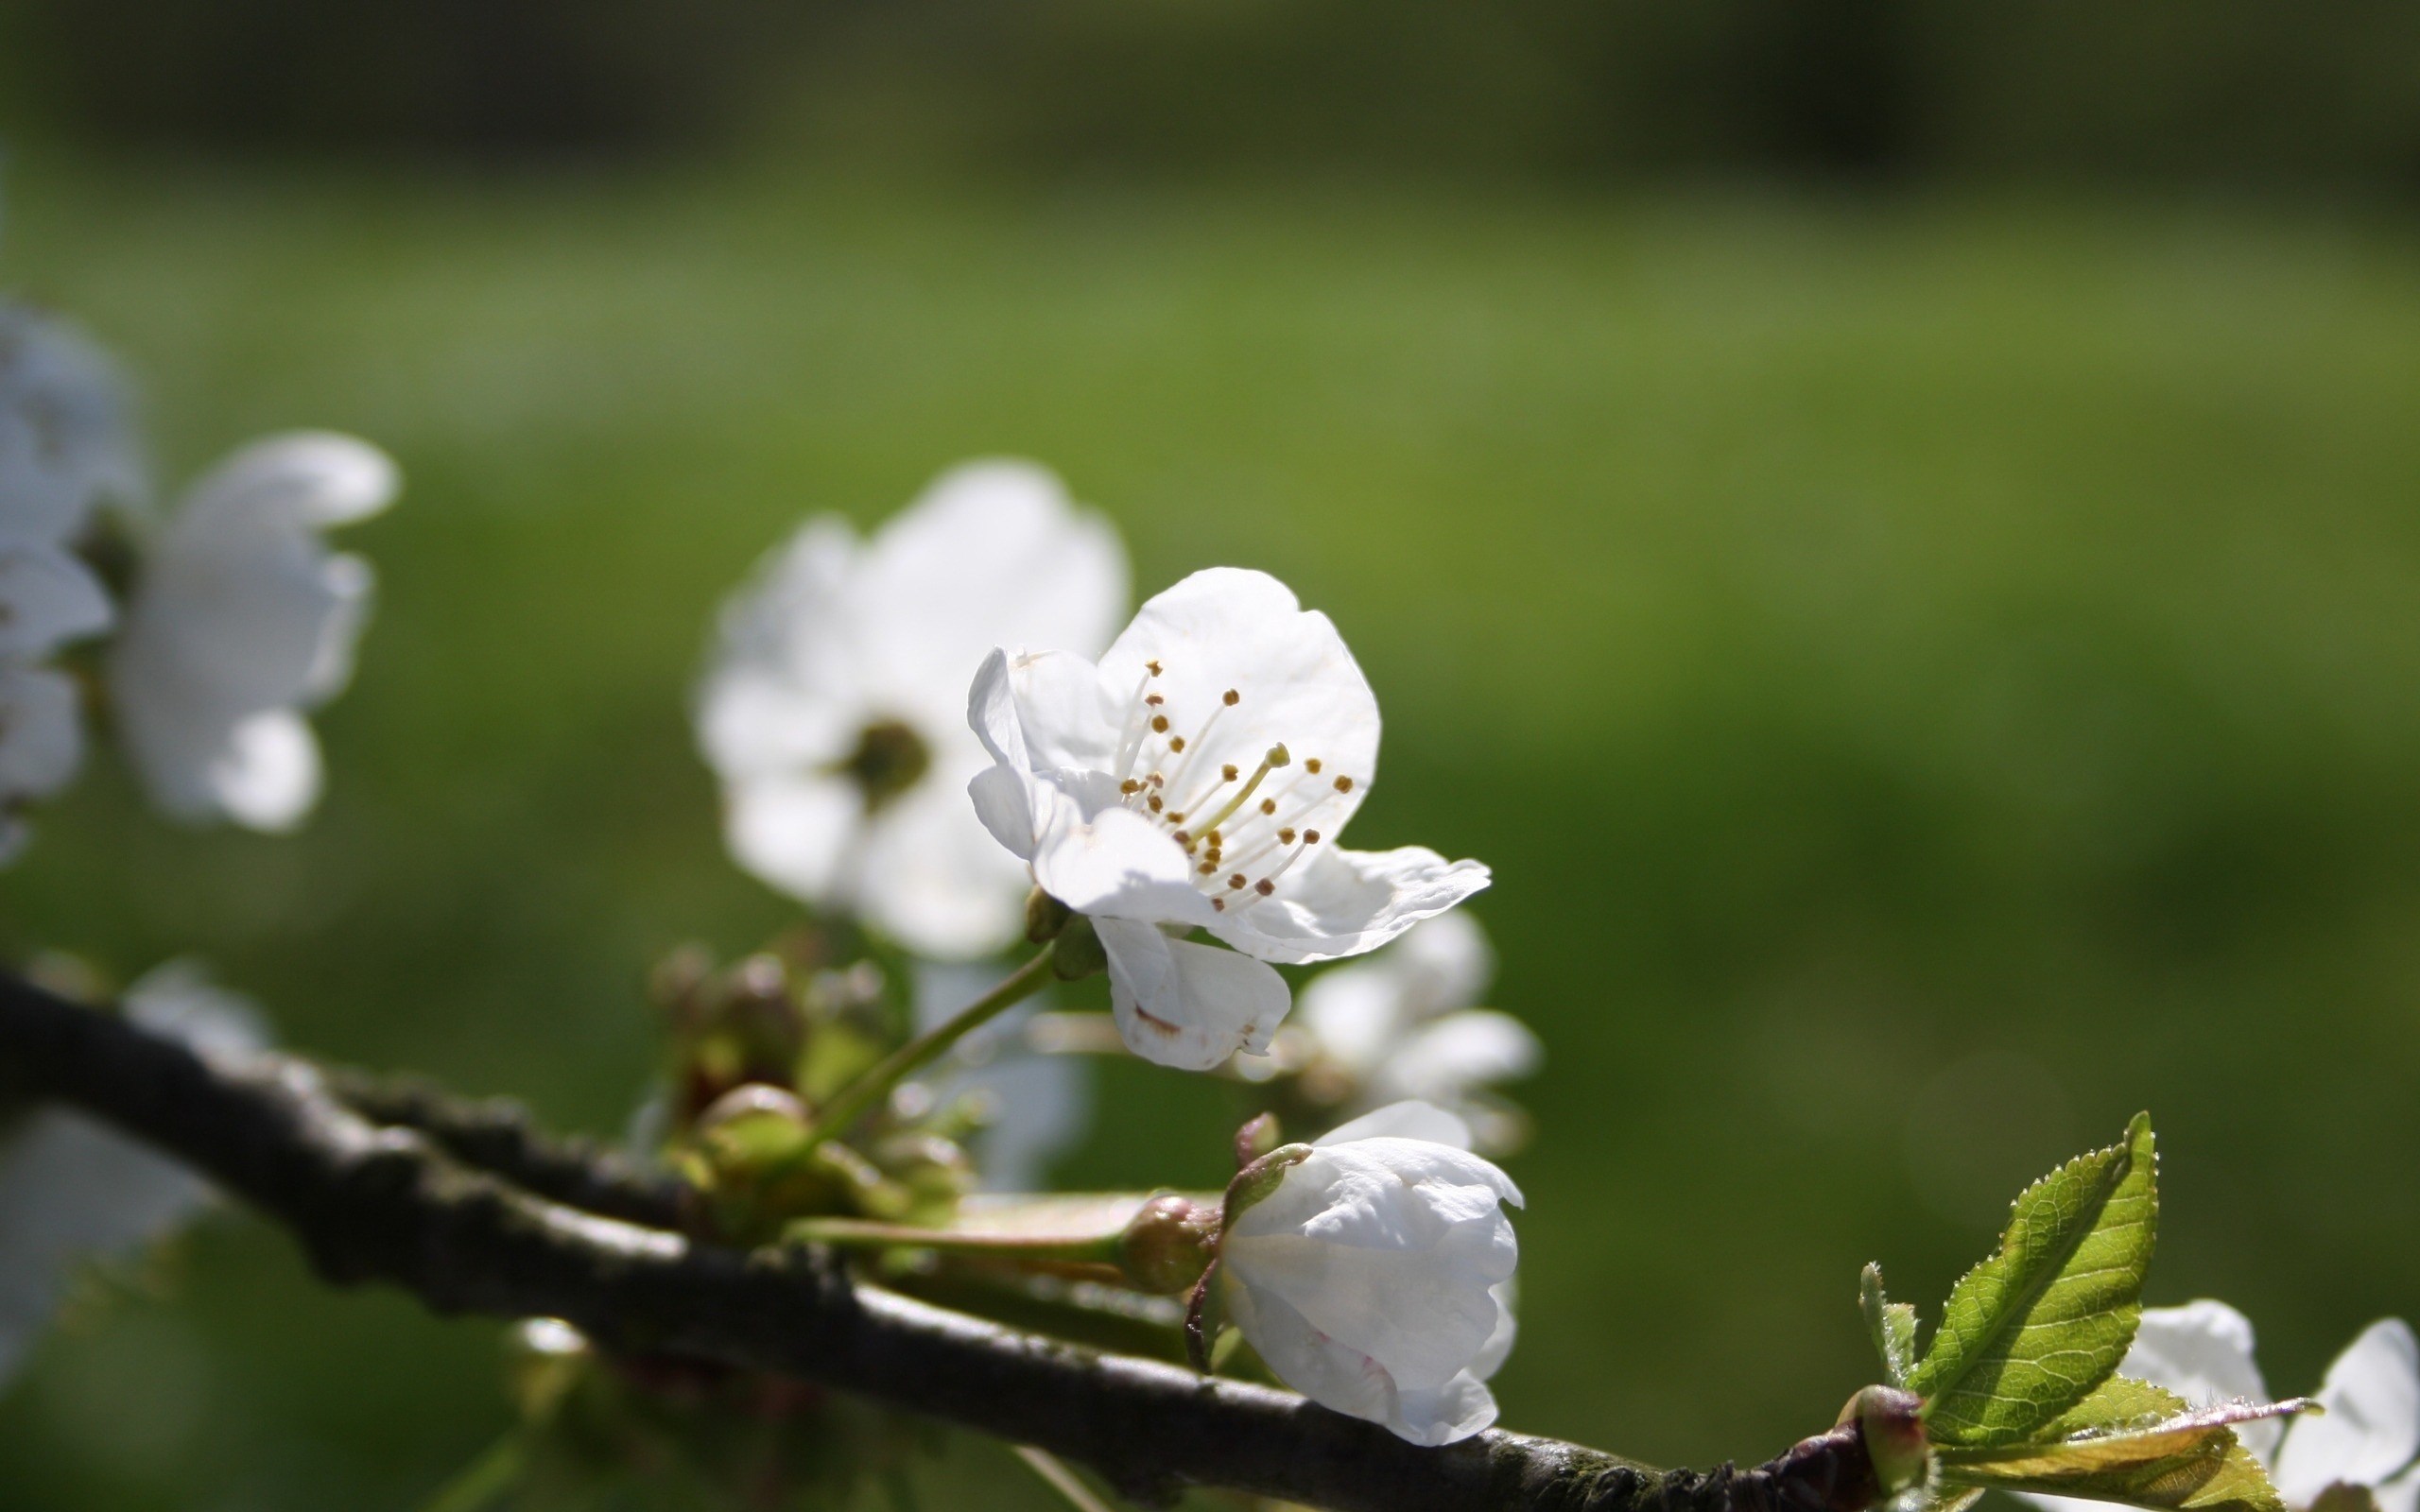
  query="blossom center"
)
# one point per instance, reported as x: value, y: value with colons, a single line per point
x: 889, y: 759
x: 1241, y: 828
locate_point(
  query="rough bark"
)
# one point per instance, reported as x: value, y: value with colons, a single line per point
x: 473, y: 1210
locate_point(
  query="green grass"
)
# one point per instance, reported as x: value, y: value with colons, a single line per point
x: 1932, y: 680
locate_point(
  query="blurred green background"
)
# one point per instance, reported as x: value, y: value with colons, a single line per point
x: 1895, y: 534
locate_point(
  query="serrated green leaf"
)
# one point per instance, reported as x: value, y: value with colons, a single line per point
x: 2125, y: 1424
x: 1893, y: 1324
x: 2031, y: 1331
x: 2134, y: 1442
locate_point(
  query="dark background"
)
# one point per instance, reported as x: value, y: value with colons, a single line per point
x: 1891, y: 527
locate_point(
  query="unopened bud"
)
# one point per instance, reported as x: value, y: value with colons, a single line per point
x: 1167, y: 1245
x: 1078, y: 953
x: 1044, y: 916
x: 752, y: 1100
x: 1256, y: 1139
x: 1892, y: 1423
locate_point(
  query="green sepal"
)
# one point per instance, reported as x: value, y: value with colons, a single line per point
x: 2034, y: 1330
x: 1256, y: 1182
x: 1077, y: 951
x: 1892, y: 1326
x: 2136, y: 1443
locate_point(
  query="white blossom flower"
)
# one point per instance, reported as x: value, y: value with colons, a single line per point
x: 1401, y: 1023
x: 832, y: 711
x: 240, y: 620
x: 2371, y: 1430
x: 1034, y: 1105
x: 1198, y: 777
x: 72, y: 1188
x: 63, y: 447
x: 65, y: 443
x: 1376, y: 1278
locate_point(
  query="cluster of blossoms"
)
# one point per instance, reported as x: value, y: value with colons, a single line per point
x: 1109, y: 794
x: 205, y: 634
x: 229, y: 619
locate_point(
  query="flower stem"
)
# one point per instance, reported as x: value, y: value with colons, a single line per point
x: 858, y: 1233
x: 853, y: 1101
x: 1060, y: 1478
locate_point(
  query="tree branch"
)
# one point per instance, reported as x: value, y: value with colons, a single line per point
x: 378, y: 1182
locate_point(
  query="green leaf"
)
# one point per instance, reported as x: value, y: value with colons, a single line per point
x: 2133, y: 1442
x: 1893, y: 1324
x: 2031, y: 1331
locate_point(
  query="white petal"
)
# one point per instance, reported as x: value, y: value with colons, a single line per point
x: 933, y: 879
x: 2203, y: 1352
x: 1187, y: 1006
x: 1444, y: 963
x: 1068, y: 719
x: 784, y: 691
x: 1003, y: 797
x: 42, y: 736
x: 47, y: 598
x: 1407, y: 1119
x: 65, y: 439
x: 1499, y: 1347
x: 350, y: 582
x: 1336, y: 1376
x: 993, y: 553
x: 1342, y: 902
x: 241, y: 616
x: 179, y: 999
x: 1356, y: 1013
x: 1446, y: 1414
x: 302, y: 478
x: 1391, y: 1247
x: 1297, y: 685
x: 1118, y: 865
x: 1447, y: 1057
x: 1343, y: 1379
x: 2401, y: 1494
x: 73, y: 1187
x: 794, y: 832
x: 2372, y: 1426
x: 268, y: 775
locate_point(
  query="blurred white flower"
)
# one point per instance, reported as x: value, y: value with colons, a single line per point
x: 1401, y: 1024
x: 2371, y: 1429
x: 1376, y: 1278
x: 240, y: 620
x: 65, y: 443
x: 72, y: 1188
x: 1197, y: 777
x: 1034, y: 1105
x: 832, y: 711
x: 63, y: 447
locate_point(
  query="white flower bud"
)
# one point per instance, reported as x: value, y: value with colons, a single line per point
x: 1375, y: 1278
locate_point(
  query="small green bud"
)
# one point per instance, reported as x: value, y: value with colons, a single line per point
x: 1255, y: 1182
x: 1256, y: 1139
x: 1044, y: 916
x: 1078, y: 953
x: 750, y: 1130
x: 1167, y: 1245
x: 1892, y: 1424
